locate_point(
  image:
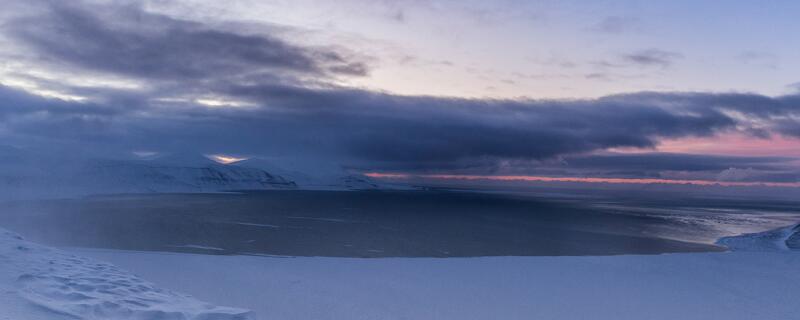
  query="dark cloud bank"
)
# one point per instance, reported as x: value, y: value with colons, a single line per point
x: 293, y: 108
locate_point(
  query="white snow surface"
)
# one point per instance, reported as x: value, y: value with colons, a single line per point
x: 38, y: 282
x: 732, y: 285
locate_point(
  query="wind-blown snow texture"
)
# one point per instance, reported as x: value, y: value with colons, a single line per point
x: 38, y: 282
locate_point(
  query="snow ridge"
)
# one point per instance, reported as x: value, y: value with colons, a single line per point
x: 70, y: 286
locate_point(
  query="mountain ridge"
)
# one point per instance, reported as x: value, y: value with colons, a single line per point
x: 25, y: 175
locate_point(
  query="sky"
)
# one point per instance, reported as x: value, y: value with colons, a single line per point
x: 678, y: 91
x: 548, y: 49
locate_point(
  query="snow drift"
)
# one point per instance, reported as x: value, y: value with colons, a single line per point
x: 45, y: 283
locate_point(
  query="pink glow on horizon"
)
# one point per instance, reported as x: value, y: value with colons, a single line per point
x: 734, y: 145
x: 726, y: 144
x: 379, y: 175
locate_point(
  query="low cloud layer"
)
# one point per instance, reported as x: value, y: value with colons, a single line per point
x: 678, y: 167
x: 270, y: 97
x: 652, y: 57
x: 380, y: 130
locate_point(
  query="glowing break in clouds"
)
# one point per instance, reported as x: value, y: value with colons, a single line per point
x: 224, y: 159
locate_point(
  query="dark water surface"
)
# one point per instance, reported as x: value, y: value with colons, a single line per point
x: 366, y: 224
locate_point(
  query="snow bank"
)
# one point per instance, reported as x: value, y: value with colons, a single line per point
x: 44, y: 283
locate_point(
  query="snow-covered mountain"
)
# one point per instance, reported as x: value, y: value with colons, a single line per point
x: 317, y: 177
x: 164, y: 175
x: 29, y: 175
x: 25, y: 175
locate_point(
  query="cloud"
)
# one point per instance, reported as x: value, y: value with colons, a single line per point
x: 274, y: 98
x: 379, y: 130
x: 616, y: 25
x: 652, y: 57
x: 680, y: 167
x: 599, y: 76
x: 675, y: 162
x: 654, y: 165
x: 399, y: 15
x: 126, y: 40
x: 759, y: 58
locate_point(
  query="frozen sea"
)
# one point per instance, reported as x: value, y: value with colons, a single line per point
x: 375, y: 224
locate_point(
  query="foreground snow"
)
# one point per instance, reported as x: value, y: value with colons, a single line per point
x: 734, y: 285
x: 38, y: 282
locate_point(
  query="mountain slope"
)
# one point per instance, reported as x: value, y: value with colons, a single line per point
x: 26, y: 175
x: 155, y: 176
x: 330, y: 177
x: 29, y: 175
